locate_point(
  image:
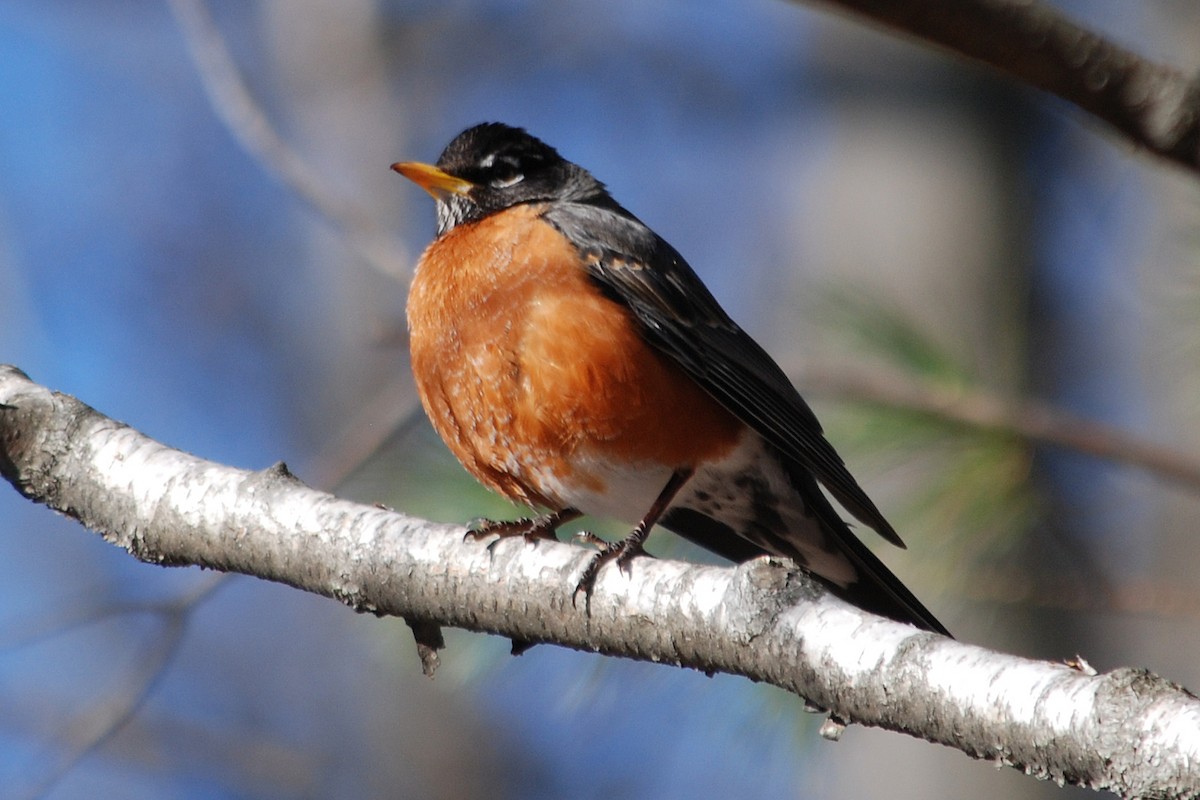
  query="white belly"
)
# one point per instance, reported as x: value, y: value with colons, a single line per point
x: 748, y: 491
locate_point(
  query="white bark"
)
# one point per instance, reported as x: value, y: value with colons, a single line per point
x: 1127, y: 731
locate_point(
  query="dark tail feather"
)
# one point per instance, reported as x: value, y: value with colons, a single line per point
x: 877, y: 590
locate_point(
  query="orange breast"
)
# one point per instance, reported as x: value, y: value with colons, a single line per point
x: 526, y: 369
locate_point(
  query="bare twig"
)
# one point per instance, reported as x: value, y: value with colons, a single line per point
x: 235, y: 106
x: 1126, y: 730
x: 31, y: 630
x: 93, y: 728
x: 1151, y: 596
x: 1154, y: 106
x: 390, y: 411
x: 1036, y: 422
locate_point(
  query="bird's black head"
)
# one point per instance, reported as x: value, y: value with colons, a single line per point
x: 494, y: 166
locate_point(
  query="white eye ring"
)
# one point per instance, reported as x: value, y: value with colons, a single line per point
x: 504, y: 183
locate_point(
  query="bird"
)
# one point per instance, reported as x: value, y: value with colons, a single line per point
x: 575, y: 363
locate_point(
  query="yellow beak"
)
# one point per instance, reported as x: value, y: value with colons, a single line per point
x: 433, y: 180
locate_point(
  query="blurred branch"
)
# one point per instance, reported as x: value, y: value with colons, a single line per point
x: 1036, y: 422
x: 1156, y: 107
x: 92, y: 728
x: 1127, y: 730
x: 1150, y: 597
x: 30, y: 630
x: 391, y: 411
x: 235, y: 106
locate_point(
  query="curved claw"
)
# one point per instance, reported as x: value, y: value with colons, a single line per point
x: 532, y: 528
x: 628, y: 548
x: 623, y: 552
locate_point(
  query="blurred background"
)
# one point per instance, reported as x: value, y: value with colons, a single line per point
x: 200, y: 236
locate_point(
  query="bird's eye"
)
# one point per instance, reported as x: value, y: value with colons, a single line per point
x: 505, y: 175
x: 501, y: 170
x: 507, y: 180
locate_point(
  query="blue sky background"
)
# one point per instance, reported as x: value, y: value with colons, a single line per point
x: 152, y: 267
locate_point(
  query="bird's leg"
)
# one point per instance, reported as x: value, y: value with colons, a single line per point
x: 630, y: 547
x: 532, y: 528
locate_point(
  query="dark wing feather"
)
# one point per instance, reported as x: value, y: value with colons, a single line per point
x: 681, y: 318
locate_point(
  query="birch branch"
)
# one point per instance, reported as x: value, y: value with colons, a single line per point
x: 1127, y: 731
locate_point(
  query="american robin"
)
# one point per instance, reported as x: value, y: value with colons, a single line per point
x: 574, y: 362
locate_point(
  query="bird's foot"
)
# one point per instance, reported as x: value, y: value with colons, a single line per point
x: 531, y: 528
x: 623, y: 552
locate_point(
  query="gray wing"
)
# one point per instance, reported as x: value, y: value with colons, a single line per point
x: 681, y: 319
